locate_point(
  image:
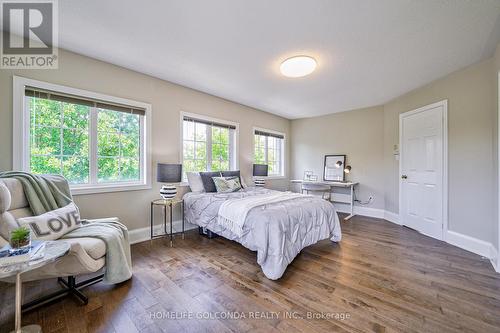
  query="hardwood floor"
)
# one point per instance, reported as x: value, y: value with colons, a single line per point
x: 380, y: 278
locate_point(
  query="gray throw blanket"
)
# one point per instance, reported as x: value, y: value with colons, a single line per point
x: 49, y: 192
x: 43, y: 192
x: 115, y: 235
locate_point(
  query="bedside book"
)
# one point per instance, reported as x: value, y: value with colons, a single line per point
x: 35, y: 251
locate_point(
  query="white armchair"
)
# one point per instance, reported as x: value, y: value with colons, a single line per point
x: 86, y: 255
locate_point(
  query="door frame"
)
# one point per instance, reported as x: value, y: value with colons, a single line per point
x: 444, y: 105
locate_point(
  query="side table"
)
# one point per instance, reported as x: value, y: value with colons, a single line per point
x: 166, y: 204
x: 53, y: 251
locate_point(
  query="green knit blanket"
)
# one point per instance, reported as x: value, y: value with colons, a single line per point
x: 43, y: 192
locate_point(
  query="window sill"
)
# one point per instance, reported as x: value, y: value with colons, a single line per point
x: 83, y: 190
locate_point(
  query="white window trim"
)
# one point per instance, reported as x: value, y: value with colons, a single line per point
x: 236, y: 148
x: 21, y: 134
x: 283, y: 151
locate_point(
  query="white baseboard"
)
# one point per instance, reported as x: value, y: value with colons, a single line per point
x: 144, y: 234
x: 469, y: 243
x: 367, y: 211
x: 494, y: 258
x: 359, y: 210
x: 391, y: 217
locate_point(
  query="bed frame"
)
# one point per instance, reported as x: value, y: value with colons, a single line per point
x: 207, y: 233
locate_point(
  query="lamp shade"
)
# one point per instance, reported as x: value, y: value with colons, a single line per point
x: 168, y: 173
x: 260, y: 170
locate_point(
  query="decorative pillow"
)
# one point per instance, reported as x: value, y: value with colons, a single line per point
x: 234, y: 174
x: 227, y: 184
x: 208, y: 182
x: 54, y: 224
x: 195, y: 182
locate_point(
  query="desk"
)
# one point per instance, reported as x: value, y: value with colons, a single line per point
x: 338, y: 197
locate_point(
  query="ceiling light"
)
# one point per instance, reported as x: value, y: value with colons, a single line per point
x: 298, y: 66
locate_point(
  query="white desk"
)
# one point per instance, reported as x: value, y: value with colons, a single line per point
x: 337, y: 197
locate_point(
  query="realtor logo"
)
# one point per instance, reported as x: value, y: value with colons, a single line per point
x: 29, y: 34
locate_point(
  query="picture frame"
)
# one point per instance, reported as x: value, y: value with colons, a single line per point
x: 334, y: 168
x: 307, y: 175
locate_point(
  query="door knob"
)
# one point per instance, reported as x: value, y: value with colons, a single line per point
x: 404, y: 177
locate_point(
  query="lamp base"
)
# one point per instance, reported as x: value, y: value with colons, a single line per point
x: 259, y: 182
x: 168, y: 192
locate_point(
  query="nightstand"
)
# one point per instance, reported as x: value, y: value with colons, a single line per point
x: 166, y: 204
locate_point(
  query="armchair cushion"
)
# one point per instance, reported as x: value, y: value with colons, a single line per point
x: 94, y: 247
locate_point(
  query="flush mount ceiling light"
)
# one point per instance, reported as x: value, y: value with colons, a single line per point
x: 298, y: 66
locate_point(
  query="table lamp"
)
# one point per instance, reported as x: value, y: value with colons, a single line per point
x: 168, y: 173
x: 260, y: 170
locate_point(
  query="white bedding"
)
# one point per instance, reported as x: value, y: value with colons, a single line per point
x: 278, y: 231
x: 233, y: 212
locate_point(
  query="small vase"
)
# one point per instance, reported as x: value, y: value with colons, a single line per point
x: 20, y: 244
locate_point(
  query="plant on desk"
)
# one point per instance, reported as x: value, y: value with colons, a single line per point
x: 20, y: 237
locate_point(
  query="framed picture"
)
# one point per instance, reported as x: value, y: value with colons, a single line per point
x: 334, y: 168
x: 307, y: 175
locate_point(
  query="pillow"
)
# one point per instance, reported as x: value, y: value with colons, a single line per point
x: 195, y: 182
x: 227, y: 184
x: 208, y: 182
x: 234, y: 174
x: 54, y: 224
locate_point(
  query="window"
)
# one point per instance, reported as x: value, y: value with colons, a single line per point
x: 94, y: 143
x: 269, y: 149
x: 207, y: 145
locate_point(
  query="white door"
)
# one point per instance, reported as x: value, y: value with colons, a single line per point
x: 422, y: 174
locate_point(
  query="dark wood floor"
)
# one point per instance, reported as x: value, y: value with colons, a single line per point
x: 381, y: 278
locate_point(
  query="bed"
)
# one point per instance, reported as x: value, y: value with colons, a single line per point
x: 278, y: 231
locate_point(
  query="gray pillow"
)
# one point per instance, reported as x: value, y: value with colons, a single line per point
x: 208, y: 182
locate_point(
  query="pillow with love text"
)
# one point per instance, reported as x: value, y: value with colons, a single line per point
x: 54, y: 224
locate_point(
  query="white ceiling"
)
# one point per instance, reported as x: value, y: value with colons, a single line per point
x: 368, y: 51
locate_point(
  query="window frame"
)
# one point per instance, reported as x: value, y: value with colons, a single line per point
x: 282, y: 153
x: 235, y: 151
x: 21, y: 135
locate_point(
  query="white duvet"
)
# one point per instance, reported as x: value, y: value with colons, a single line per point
x: 277, y: 230
x: 233, y: 212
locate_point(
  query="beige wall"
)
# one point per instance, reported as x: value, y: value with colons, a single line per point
x: 167, y: 101
x: 358, y: 134
x: 471, y: 131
